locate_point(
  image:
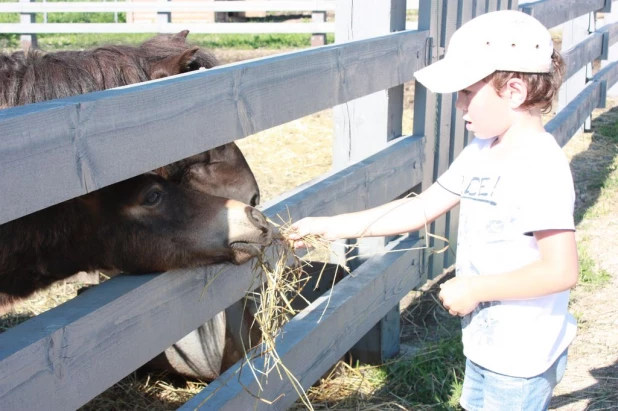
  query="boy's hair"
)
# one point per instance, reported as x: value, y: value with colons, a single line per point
x: 542, y: 87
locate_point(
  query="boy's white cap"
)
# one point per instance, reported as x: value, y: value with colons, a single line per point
x: 505, y: 40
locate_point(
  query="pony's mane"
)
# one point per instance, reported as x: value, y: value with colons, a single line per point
x: 33, y: 76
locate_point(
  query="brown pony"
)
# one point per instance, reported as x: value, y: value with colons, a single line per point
x: 174, y: 217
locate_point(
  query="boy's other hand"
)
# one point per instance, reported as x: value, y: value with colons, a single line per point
x: 457, y: 296
x: 310, y: 226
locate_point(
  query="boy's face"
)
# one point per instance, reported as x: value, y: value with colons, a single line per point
x: 486, y: 113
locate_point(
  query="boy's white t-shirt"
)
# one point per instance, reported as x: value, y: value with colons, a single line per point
x: 502, y: 204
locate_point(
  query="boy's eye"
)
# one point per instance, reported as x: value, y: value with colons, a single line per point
x: 466, y: 92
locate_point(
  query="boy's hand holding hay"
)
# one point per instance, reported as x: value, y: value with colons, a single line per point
x: 311, y: 231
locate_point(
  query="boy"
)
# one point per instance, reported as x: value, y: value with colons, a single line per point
x: 516, y: 253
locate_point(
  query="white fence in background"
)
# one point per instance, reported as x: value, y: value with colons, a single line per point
x: 317, y: 8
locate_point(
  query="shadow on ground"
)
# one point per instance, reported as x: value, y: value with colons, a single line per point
x: 603, y: 395
x: 592, y: 167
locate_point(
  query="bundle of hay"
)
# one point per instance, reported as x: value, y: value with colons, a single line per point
x: 282, y: 276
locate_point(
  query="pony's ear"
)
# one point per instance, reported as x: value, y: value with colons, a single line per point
x: 92, y: 201
x: 162, y: 171
x: 173, y: 65
x: 181, y: 36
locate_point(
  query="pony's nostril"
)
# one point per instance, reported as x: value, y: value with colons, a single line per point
x: 255, y: 200
x: 258, y: 219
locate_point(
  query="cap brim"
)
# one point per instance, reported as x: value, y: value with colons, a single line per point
x: 449, y: 76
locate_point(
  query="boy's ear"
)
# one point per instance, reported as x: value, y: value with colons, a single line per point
x: 516, y: 91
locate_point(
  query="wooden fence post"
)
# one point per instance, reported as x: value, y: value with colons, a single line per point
x: 610, y: 16
x: 318, y: 39
x: 425, y: 110
x: 164, y: 17
x: 363, y: 127
x: 459, y: 137
x: 27, y: 40
x: 573, y: 32
x: 436, y: 117
x: 446, y: 114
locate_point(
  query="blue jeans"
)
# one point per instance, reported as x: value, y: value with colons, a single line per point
x: 489, y: 391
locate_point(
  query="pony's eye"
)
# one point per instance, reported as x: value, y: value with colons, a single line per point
x: 152, y: 198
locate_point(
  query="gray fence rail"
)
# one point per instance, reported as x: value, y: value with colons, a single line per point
x: 69, y: 145
x: 57, y: 150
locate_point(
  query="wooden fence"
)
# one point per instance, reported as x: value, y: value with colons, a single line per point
x: 56, y: 150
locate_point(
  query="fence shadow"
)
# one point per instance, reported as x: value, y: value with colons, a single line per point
x: 592, y: 167
x: 602, y: 395
x: 591, y: 174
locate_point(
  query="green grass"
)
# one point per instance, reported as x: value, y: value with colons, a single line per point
x: 433, y: 377
x: 589, y: 272
x: 412, y: 15
x: 610, y: 131
x: 209, y: 41
x: 255, y: 41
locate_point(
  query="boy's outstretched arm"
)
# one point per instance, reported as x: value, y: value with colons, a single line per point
x: 556, y: 270
x: 397, y: 217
